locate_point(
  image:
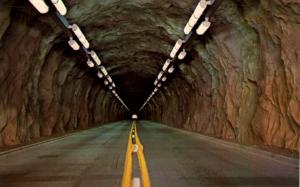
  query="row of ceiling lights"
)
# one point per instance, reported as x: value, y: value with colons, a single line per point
x: 178, y: 51
x: 93, y: 59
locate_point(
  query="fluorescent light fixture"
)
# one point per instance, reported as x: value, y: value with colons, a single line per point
x: 164, y: 78
x: 90, y: 63
x: 203, y: 27
x: 176, y: 48
x: 114, y: 92
x: 200, y: 8
x: 155, y: 83
x: 166, y: 65
x: 195, y: 16
x: 113, y: 84
x: 173, y: 53
x: 159, y: 85
x: 178, y: 44
x: 192, y: 21
x: 182, y: 54
x: 40, y: 5
x: 99, y: 74
x: 187, y: 29
x: 110, y: 87
x: 160, y: 75
x: 84, y: 42
x: 106, y: 82
x: 73, y: 44
x: 109, y: 79
x: 103, y: 70
x: 77, y: 31
x: 171, y: 69
x: 95, y: 57
x: 60, y: 7
x: 155, y: 89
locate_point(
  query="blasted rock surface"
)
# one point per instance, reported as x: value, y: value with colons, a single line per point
x: 244, y: 84
x: 46, y: 88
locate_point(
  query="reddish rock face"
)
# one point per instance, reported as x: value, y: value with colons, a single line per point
x: 241, y: 81
x: 244, y: 81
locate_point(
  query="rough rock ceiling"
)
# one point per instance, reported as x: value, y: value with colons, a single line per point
x: 133, y: 38
x: 241, y: 82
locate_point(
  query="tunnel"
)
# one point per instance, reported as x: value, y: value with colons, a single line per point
x: 207, y: 91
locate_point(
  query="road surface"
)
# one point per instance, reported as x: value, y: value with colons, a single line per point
x: 180, y: 158
x: 90, y: 158
x: 174, y: 157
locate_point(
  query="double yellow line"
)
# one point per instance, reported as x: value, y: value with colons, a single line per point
x: 135, y: 146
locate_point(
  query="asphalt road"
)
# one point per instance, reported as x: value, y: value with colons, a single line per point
x: 91, y: 158
x: 180, y: 158
x: 175, y: 158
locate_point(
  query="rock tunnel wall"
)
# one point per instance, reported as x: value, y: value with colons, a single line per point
x: 244, y: 82
x: 44, y: 89
x: 241, y: 81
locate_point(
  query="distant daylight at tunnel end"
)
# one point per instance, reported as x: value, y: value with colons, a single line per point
x: 149, y: 93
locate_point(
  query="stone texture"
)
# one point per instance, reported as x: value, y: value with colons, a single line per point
x: 46, y: 88
x: 241, y: 81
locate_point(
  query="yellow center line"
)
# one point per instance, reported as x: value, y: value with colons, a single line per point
x: 142, y: 161
x: 127, y: 175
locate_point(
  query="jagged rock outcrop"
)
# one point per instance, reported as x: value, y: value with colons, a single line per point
x: 241, y: 81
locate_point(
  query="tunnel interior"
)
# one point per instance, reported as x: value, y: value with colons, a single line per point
x: 240, y: 81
